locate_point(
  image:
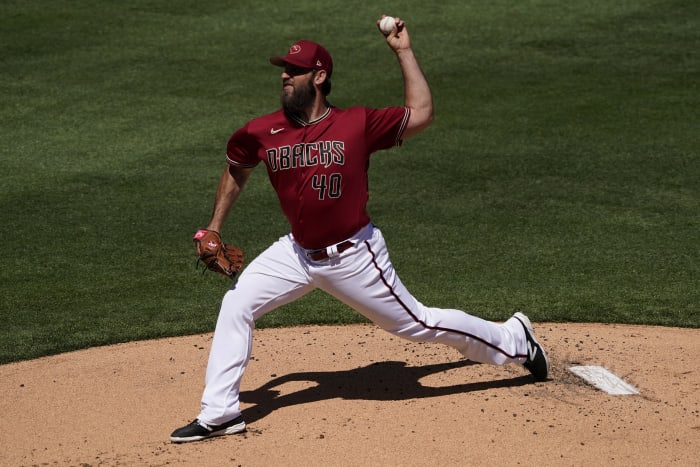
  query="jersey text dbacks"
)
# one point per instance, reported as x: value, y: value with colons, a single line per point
x: 322, y: 153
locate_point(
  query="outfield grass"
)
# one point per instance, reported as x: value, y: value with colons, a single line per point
x: 560, y: 176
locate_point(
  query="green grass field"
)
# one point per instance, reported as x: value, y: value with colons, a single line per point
x: 561, y: 175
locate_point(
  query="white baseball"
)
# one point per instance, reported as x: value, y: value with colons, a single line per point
x: 387, y: 25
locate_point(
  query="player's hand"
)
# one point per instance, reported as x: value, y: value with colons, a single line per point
x: 397, y: 39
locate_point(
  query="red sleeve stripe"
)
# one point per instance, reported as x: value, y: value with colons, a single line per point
x: 404, y: 122
x: 238, y: 164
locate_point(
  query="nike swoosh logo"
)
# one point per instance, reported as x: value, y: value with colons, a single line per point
x: 275, y: 131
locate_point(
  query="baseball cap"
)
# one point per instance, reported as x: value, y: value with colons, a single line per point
x: 306, y: 54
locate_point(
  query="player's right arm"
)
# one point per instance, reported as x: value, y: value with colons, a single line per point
x: 231, y: 183
x: 417, y: 95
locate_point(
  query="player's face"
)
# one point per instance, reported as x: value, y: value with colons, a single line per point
x: 298, y: 90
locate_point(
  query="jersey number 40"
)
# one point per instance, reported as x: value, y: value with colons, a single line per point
x: 327, y: 185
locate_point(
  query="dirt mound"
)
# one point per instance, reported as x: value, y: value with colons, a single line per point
x: 355, y: 395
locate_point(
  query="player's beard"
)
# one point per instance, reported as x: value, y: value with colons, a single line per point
x: 300, y: 100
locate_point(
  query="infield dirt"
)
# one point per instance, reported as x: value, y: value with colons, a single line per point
x: 355, y: 395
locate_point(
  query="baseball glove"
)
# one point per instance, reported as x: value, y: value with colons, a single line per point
x: 216, y: 256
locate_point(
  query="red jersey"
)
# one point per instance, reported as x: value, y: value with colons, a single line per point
x: 319, y: 169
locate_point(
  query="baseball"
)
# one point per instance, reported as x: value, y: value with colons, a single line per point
x: 387, y: 25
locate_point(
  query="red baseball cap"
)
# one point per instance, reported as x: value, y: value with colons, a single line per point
x: 306, y: 54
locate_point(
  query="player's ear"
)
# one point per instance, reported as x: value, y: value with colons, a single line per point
x: 319, y: 77
x: 322, y: 81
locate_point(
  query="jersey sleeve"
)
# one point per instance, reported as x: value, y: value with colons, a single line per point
x: 384, y: 127
x: 241, y: 149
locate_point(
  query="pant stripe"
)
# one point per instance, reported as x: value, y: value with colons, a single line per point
x: 424, y: 324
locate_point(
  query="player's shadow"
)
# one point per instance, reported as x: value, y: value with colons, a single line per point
x: 378, y: 381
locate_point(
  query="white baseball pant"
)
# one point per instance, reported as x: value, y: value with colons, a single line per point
x: 361, y: 277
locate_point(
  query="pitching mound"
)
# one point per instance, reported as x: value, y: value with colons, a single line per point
x: 355, y: 395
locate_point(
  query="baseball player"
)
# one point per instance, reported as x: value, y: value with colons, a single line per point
x: 317, y: 157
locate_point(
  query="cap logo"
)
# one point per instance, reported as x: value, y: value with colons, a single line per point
x: 318, y: 63
x: 295, y: 49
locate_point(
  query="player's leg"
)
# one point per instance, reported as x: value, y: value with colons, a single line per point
x: 365, y: 280
x: 274, y: 278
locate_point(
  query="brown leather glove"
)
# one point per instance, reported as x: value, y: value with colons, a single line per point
x: 216, y: 256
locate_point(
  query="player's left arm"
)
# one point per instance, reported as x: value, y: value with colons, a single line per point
x: 231, y: 183
x: 417, y: 95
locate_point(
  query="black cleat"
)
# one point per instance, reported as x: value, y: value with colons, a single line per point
x: 537, y: 361
x: 199, y: 430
